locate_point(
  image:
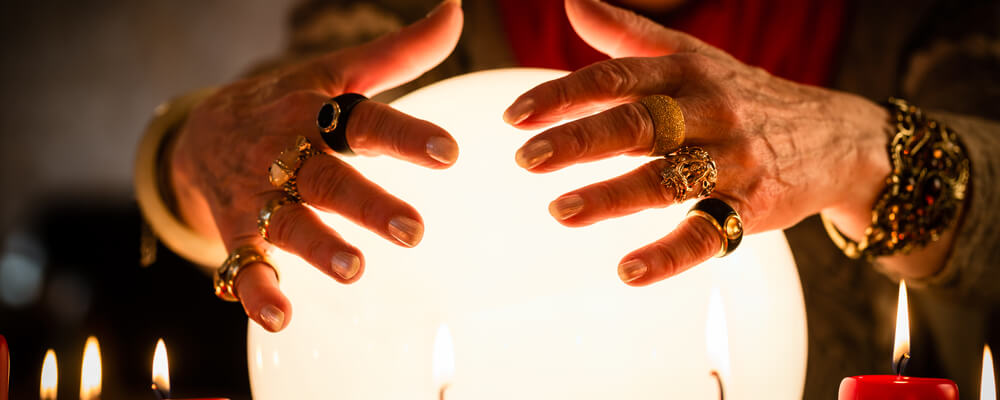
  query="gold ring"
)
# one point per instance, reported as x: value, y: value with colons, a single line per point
x: 266, y: 212
x: 724, y: 219
x: 284, y: 170
x: 224, y: 279
x: 689, y: 170
x: 668, y: 123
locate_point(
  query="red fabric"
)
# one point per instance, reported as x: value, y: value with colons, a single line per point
x: 793, y: 39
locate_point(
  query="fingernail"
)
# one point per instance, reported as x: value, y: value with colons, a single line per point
x: 565, y: 207
x: 631, y: 270
x: 440, y: 6
x: 519, y: 111
x: 272, y: 317
x: 442, y: 149
x: 406, y: 230
x: 345, y: 265
x: 533, y: 154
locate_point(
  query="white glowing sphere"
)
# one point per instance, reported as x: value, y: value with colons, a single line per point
x: 535, y: 310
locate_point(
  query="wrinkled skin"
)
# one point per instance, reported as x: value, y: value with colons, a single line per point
x: 222, y: 154
x: 784, y: 150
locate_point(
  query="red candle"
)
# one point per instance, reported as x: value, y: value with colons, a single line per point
x: 4, y: 367
x: 898, y: 387
x: 889, y: 387
x: 161, y: 375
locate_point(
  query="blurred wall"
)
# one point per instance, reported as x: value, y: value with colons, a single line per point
x: 79, y: 80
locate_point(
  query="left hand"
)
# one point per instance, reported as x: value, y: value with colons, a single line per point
x: 784, y: 150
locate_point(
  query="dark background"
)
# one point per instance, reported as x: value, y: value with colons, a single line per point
x: 78, y: 81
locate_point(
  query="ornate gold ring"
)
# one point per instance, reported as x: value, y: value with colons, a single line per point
x: 689, y: 171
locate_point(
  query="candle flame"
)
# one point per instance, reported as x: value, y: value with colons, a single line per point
x: 90, y: 372
x: 987, y: 387
x: 443, y: 363
x: 717, y: 336
x: 161, y: 369
x: 50, y: 377
x: 901, y: 346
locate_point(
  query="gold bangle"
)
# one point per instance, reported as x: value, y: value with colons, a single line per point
x: 924, y: 192
x: 176, y: 235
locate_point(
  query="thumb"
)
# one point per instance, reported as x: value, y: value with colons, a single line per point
x: 402, y: 56
x: 621, y: 33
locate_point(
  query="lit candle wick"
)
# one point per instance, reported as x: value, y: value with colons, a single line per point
x: 718, y: 380
x: 899, y: 365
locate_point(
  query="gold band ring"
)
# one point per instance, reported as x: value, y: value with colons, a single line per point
x: 284, y: 170
x: 266, y: 212
x: 668, y: 123
x: 224, y: 279
x: 689, y: 171
x: 724, y: 219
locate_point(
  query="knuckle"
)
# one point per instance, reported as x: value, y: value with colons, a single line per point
x: 613, y: 76
x: 670, y: 258
x: 694, y: 64
x: 326, y: 184
x: 661, y: 194
x: 284, y: 223
x: 369, y: 211
x: 387, y: 131
x: 580, y: 139
x: 636, y: 120
x: 702, y: 240
x: 314, y: 250
x: 608, y: 198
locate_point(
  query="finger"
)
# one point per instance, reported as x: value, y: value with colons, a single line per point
x: 329, y: 184
x: 632, y: 192
x: 257, y: 288
x: 373, y: 128
x: 391, y: 60
x: 695, y: 240
x: 593, y: 88
x: 622, y: 33
x: 376, y: 128
x: 299, y: 230
x: 626, y: 129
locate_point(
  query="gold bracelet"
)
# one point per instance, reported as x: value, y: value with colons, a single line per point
x: 924, y: 192
x: 177, y: 236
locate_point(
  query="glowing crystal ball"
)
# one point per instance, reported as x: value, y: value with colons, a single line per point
x: 529, y: 309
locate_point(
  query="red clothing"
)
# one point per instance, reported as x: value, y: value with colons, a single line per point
x: 793, y: 39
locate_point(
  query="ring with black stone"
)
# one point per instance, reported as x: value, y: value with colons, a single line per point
x: 724, y: 219
x: 332, y: 121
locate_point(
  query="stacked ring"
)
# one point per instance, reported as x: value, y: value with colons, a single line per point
x: 284, y: 170
x: 690, y: 170
x: 264, y: 217
x: 332, y: 121
x: 724, y: 219
x: 668, y: 123
x: 224, y: 279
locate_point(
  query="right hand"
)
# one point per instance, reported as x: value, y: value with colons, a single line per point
x: 222, y: 154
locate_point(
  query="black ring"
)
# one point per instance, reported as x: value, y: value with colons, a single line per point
x: 725, y: 220
x: 332, y: 121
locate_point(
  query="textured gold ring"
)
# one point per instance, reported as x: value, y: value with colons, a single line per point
x: 284, y: 170
x: 724, y: 219
x: 668, y: 123
x: 266, y: 212
x: 689, y: 171
x: 224, y: 279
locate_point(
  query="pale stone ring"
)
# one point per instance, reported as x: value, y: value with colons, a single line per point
x: 284, y: 170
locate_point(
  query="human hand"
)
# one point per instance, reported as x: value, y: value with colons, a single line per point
x: 784, y: 150
x: 221, y: 158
